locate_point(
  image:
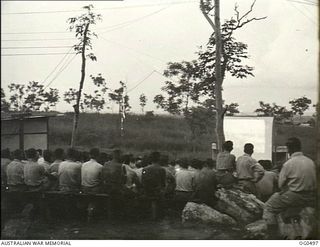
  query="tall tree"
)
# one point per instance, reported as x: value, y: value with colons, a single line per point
x: 51, y: 98
x: 143, y: 101
x: 81, y: 26
x: 223, y: 54
x: 300, y: 105
x: 120, y: 97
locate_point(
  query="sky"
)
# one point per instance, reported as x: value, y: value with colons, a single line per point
x: 137, y: 38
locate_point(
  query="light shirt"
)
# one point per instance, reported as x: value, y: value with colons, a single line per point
x: 248, y: 168
x: 33, y: 173
x: 139, y: 173
x: 4, y: 164
x: 226, y: 161
x: 45, y: 164
x: 91, y: 173
x: 132, y: 177
x: 40, y: 160
x: 298, y: 174
x: 15, y: 173
x: 69, y: 175
x: 185, y: 180
x: 54, y: 167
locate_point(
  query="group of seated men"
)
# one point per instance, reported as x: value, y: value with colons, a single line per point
x: 153, y: 175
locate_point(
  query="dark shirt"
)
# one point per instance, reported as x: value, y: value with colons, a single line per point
x: 205, y: 185
x: 154, y: 180
x: 113, y: 176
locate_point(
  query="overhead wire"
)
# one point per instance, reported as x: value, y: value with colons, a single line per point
x: 290, y: 2
x: 60, y: 71
x: 35, y: 54
x: 140, y: 82
x: 34, y: 47
x: 60, y: 62
x: 107, y: 8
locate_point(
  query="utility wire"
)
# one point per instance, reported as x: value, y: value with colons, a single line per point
x: 36, y: 39
x: 302, y: 12
x: 107, y: 8
x: 60, y: 71
x: 140, y: 82
x: 35, y: 54
x: 33, y: 47
x: 302, y: 2
x: 60, y: 62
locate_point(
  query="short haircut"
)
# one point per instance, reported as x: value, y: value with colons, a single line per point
x: 164, y: 160
x: 58, y: 154
x: 266, y: 164
x: 293, y: 144
x: 39, y: 151
x: 196, y: 164
x: 72, y: 154
x: 248, y: 148
x: 184, y: 163
x: 5, y: 153
x: 228, y: 146
x: 155, y: 157
x: 94, y: 153
x: 18, y: 154
x: 31, y: 153
x: 126, y: 159
x: 47, y: 155
x: 210, y: 163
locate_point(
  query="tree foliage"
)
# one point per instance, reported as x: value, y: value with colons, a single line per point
x: 273, y: 110
x: 31, y: 97
x: 300, y: 105
x: 143, y: 101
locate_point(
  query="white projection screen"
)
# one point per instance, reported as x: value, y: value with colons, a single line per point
x: 256, y: 130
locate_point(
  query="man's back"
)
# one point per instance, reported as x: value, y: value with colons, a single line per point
x: 298, y: 174
x: 205, y: 186
x: 69, y: 176
x: 15, y: 173
x: 226, y: 161
x: 33, y: 173
x: 247, y: 167
x: 91, y: 173
x: 267, y: 185
x: 153, y: 179
x: 185, y: 180
x: 113, y: 176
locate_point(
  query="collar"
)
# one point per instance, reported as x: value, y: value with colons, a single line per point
x: 247, y: 155
x: 296, y: 154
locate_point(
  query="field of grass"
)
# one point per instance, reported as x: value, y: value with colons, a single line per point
x: 167, y: 134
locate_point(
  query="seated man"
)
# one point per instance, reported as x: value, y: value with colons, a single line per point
x: 297, y: 184
x: 269, y: 182
x: 34, y: 174
x: 114, y: 175
x: 226, y: 165
x: 249, y: 171
x: 91, y: 173
x: 184, y: 182
x: 69, y: 173
x: 15, y: 172
x: 206, y: 185
x: 5, y: 160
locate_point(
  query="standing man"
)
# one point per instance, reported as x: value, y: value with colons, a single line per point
x: 5, y: 160
x: 69, y: 173
x: 297, y: 184
x: 249, y: 170
x: 154, y: 183
x: 226, y: 165
x: 91, y: 173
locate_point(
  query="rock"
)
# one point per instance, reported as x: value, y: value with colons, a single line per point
x: 194, y: 212
x: 243, y: 207
x: 257, y: 230
x: 300, y: 225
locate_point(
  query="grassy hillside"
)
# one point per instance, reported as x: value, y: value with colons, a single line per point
x: 166, y: 134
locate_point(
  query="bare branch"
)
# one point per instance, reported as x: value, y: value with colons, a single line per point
x: 250, y: 20
x: 248, y: 12
x: 205, y: 13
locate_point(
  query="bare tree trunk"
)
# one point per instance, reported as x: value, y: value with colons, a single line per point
x: 218, y: 89
x: 83, y: 74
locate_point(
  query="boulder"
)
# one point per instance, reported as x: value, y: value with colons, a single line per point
x: 257, y: 230
x: 243, y: 207
x: 16, y: 229
x: 298, y: 225
x: 201, y: 213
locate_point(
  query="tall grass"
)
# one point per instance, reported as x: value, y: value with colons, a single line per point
x: 167, y: 134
